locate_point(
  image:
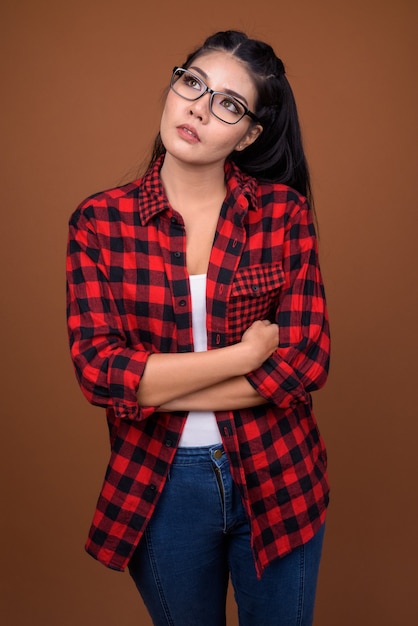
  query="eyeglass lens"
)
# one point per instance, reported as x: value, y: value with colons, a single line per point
x: 191, y: 87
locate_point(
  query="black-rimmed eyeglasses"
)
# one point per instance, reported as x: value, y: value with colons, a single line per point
x: 222, y: 105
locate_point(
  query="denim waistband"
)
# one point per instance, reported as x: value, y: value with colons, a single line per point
x: 196, y: 454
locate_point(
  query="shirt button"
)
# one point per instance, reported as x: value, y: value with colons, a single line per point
x: 254, y: 288
x: 177, y: 255
x: 174, y: 220
x: 168, y: 443
x: 182, y: 302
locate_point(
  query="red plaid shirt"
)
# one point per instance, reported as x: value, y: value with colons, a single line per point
x: 129, y: 296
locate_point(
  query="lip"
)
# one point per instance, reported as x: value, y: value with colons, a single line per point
x: 189, y: 133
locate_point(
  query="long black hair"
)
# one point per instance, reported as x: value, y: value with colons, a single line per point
x: 277, y: 155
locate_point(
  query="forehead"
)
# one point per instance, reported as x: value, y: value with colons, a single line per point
x: 223, y: 71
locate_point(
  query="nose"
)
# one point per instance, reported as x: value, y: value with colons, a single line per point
x: 201, y: 107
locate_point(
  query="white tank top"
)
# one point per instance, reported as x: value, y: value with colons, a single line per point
x: 201, y: 428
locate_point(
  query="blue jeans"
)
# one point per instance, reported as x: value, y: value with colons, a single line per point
x: 198, y: 537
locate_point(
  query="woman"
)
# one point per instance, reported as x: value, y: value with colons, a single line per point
x: 197, y: 317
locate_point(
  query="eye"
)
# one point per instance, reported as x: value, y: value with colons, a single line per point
x: 191, y: 81
x: 230, y: 105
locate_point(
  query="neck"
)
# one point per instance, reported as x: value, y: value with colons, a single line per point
x: 191, y: 184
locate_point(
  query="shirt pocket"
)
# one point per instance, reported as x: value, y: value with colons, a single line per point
x: 254, y: 296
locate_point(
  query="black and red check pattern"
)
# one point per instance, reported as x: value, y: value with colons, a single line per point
x: 128, y: 296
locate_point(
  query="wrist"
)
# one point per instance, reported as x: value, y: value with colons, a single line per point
x: 243, y: 359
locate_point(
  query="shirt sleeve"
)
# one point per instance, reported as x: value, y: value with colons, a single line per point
x: 107, y: 368
x: 301, y: 362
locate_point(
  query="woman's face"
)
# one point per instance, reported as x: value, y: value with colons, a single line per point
x: 191, y: 133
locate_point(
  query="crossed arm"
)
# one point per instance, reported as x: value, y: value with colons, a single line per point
x: 212, y: 380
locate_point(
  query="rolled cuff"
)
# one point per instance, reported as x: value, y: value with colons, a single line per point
x: 278, y: 384
x: 124, y: 375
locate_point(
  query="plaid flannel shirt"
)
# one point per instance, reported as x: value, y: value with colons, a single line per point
x: 129, y: 296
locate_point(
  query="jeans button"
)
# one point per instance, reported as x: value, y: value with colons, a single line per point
x: 217, y: 454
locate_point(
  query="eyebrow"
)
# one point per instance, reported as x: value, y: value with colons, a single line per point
x: 230, y: 92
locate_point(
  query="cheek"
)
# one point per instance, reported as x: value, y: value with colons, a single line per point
x: 225, y: 143
x: 165, y: 119
x: 166, y: 109
x: 170, y: 106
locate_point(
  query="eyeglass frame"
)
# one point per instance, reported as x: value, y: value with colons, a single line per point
x: 212, y: 93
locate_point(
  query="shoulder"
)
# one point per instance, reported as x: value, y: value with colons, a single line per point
x: 283, y: 203
x: 108, y: 205
x: 114, y: 196
x: 278, y: 193
x: 269, y: 196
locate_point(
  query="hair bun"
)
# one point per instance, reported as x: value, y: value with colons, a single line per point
x: 280, y: 67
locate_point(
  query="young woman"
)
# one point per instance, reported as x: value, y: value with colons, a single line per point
x: 197, y: 317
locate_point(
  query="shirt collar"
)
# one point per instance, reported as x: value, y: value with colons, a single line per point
x: 152, y: 200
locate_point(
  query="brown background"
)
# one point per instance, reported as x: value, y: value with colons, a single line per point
x: 81, y: 92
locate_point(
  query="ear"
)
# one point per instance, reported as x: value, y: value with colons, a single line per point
x: 250, y: 136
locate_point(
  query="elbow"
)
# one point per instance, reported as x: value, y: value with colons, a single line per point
x: 89, y: 383
x: 318, y: 375
x: 94, y: 393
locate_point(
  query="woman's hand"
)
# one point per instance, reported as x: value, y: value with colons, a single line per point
x: 260, y: 340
